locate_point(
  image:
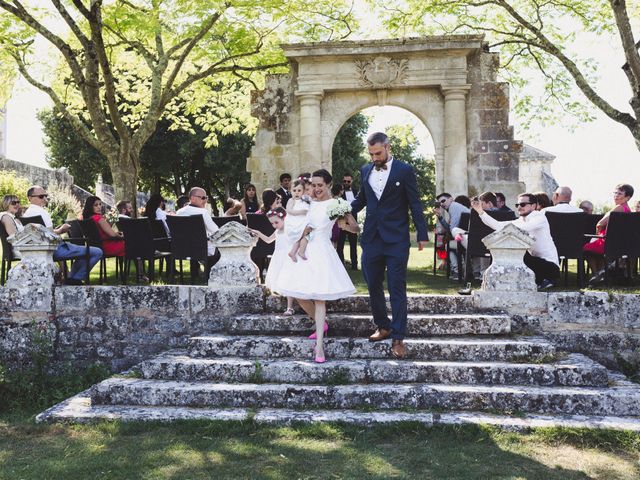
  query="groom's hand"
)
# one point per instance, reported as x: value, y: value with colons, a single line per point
x: 421, y: 245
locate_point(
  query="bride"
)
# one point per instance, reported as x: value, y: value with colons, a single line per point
x: 322, y: 276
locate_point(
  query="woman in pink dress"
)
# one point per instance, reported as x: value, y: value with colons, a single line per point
x: 594, y: 250
x: 112, y: 243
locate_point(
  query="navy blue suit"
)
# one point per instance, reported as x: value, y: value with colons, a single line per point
x: 385, y: 241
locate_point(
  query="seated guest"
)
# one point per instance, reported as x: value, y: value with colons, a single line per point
x: 270, y: 201
x: 249, y: 200
x: 10, y: 217
x: 562, y: 202
x: 112, y: 245
x: 38, y: 199
x: 594, y: 250
x: 488, y: 202
x: 586, y: 206
x: 542, y: 257
x: 637, y: 207
x: 501, y: 202
x: 463, y: 200
x: 232, y: 207
x: 196, y: 206
x: 125, y: 209
x: 455, y: 210
x: 543, y: 200
x: 154, y: 210
x: 181, y: 202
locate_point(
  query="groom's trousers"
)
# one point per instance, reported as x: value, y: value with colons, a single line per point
x: 378, y: 256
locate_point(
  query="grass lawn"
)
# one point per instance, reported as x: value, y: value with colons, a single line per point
x: 216, y: 450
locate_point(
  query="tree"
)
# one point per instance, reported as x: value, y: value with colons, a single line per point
x: 172, y: 161
x: 542, y: 35
x: 177, y: 43
x: 404, y: 146
x: 348, y: 153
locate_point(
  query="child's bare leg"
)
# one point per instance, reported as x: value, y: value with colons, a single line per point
x: 303, y: 248
x: 293, y: 254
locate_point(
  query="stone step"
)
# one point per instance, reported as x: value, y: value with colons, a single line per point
x: 416, y: 303
x: 79, y: 409
x: 362, y: 324
x: 574, y: 370
x: 432, y: 349
x: 616, y: 401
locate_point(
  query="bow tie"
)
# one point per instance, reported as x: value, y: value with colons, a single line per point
x: 381, y: 167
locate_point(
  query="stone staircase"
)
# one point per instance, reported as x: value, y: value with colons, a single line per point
x: 460, y: 368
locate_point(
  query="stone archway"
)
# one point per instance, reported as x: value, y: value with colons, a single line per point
x: 448, y: 82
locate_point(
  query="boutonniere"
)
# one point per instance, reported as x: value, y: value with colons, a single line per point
x: 397, y: 184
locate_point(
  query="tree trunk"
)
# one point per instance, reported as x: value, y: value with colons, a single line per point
x: 125, y: 168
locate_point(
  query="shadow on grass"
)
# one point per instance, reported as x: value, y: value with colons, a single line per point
x: 193, y: 450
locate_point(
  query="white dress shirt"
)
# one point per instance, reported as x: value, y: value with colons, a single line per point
x: 378, y: 178
x: 537, y: 225
x: 35, y: 210
x: 349, y: 196
x: 562, y: 208
x: 209, y: 224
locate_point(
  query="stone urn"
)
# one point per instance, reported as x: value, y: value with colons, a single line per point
x: 235, y: 269
x: 507, y: 272
x: 36, y: 269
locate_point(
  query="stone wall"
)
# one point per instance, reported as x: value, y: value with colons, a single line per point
x: 37, y: 175
x: 118, y: 326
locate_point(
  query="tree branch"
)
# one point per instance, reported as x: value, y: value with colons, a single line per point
x: 626, y: 36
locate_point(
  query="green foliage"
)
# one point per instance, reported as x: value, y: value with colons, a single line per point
x: 67, y: 149
x: 62, y: 205
x: 36, y: 385
x: 536, y: 41
x: 404, y: 145
x: 12, y: 184
x: 348, y: 153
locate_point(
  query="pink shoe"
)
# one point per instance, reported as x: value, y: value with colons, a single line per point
x: 313, y: 336
x: 317, y: 358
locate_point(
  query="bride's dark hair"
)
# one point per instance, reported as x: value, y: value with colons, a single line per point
x: 326, y: 176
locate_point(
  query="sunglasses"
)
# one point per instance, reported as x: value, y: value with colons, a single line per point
x: 14, y: 202
x: 444, y: 200
x: 204, y: 197
x: 523, y: 204
x: 44, y: 195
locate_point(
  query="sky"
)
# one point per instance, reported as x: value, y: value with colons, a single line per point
x: 591, y: 159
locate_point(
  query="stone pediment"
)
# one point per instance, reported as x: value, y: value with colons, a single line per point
x: 233, y: 234
x: 510, y: 237
x: 32, y: 235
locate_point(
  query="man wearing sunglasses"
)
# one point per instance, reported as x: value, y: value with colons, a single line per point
x: 196, y: 206
x: 455, y: 209
x: 38, y: 199
x: 542, y: 257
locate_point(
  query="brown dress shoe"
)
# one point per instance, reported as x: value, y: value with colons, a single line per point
x: 397, y: 349
x: 380, y: 334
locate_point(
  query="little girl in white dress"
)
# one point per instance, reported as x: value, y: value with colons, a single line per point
x: 297, y: 208
x: 279, y: 257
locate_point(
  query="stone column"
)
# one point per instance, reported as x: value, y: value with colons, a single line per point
x: 455, y: 139
x: 310, y: 130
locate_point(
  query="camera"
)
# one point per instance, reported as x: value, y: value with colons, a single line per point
x: 436, y: 203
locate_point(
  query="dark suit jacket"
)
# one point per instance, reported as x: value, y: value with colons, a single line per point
x: 285, y: 196
x: 389, y: 216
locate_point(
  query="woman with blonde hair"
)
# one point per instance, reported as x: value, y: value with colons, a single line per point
x: 10, y: 217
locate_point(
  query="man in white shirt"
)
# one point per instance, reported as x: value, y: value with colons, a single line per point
x: 562, y: 202
x: 542, y: 257
x: 348, y: 195
x: 38, y: 199
x: 196, y: 206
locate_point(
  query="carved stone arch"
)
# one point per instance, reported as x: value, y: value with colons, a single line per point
x: 448, y: 82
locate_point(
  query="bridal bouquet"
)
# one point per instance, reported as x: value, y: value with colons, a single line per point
x: 338, y: 208
x: 112, y: 216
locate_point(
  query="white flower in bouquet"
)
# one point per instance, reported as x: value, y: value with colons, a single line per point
x: 338, y: 208
x: 112, y: 216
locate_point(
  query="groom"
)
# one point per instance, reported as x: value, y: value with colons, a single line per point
x: 388, y: 191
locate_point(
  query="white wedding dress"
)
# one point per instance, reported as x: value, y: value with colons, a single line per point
x: 322, y: 275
